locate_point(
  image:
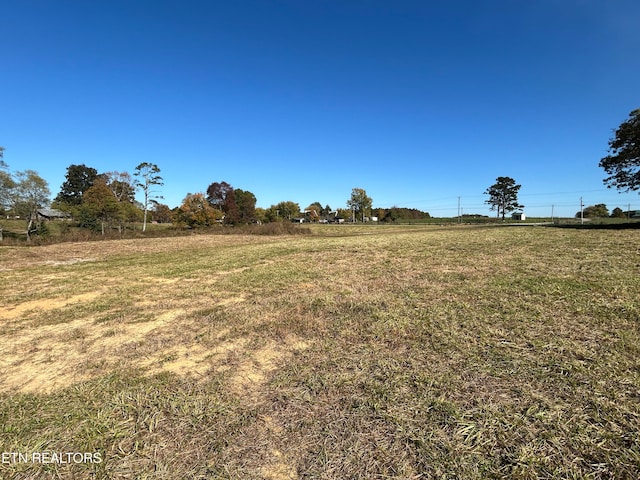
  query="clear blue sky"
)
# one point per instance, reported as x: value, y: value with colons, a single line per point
x: 417, y: 102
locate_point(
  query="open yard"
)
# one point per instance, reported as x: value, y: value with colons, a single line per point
x: 353, y: 352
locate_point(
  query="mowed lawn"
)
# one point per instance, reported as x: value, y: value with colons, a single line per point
x: 354, y: 352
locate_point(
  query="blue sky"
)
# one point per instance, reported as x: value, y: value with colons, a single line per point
x: 417, y: 102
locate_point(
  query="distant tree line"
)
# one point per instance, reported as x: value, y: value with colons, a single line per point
x: 601, y: 211
x: 400, y: 214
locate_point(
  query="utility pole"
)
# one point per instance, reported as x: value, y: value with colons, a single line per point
x: 581, y: 212
x: 552, y: 213
x: 459, y: 217
x: 628, y: 213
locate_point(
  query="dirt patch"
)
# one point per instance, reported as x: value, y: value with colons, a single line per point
x: 184, y: 360
x: 49, y: 357
x: 11, y: 313
x: 39, y: 358
x: 252, y: 373
x: 248, y: 381
x: 194, y: 359
x: 279, y: 466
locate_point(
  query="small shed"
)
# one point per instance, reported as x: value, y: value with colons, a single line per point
x: 518, y: 216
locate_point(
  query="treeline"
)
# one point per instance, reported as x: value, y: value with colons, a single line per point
x: 100, y: 202
x: 601, y: 211
x: 399, y: 214
x: 224, y: 204
x: 105, y: 201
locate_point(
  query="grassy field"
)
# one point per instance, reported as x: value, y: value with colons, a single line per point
x: 353, y: 352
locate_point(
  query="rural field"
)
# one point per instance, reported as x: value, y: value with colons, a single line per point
x: 372, y: 352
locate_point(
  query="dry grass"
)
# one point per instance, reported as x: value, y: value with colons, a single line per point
x: 377, y: 352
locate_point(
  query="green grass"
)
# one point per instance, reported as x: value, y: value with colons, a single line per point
x: 354, y: 352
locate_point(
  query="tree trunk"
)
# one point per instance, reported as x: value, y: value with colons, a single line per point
x: 29, y: 225
x: 144, y: 221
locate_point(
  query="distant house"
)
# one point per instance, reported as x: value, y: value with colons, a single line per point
x: 52, y: 214
x: 518, y: 216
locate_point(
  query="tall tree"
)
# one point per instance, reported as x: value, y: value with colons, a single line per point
x: 79, y: 179
x: 246, y: 204
x: 148, y: 177
x: 31, y: 193
x: 222, y: 197
x: 359, y: 203
x: 218, y: 194
x: 623, y: 162
x: 98, y: 203
x: 503, y: 196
